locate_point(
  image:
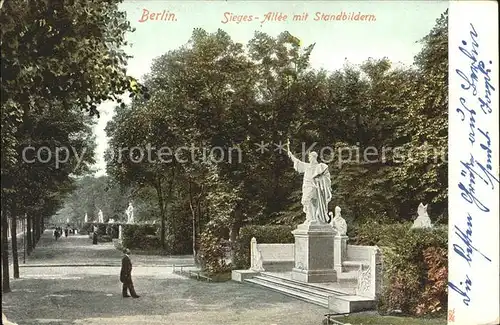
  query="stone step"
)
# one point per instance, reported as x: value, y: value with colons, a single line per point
x: 306, y: 290
x: 335, y: 300
x: 348, y: 266
x: 323, y: 302
x: 311, y: 287
x: 348, y: 277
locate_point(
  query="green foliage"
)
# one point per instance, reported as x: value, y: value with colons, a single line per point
x: 213, y: 251
x: 86, y: 228
x: 216, y: 92
x: 435, y: 296
x: 414, y: 266
x: 140, y: 237
x: 112, y: 230
x: 53, y: 52
x: 269, y: 234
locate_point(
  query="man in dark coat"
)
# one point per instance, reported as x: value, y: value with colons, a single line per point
x: 126, y: 275
x: 94, y: 237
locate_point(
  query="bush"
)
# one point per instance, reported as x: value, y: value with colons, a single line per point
x: 140, y: 237
x: 113, y: 230
x: 104, y: 229
x: 270, y: 234
x: 434, y: 298
x: 213, y: 251
x: 86, y: 228
x: 415, y: 266
x: 104, y: 239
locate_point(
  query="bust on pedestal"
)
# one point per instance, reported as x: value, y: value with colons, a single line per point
x: 314, y: 239
x: 423, y: 220
x: 340, y: 240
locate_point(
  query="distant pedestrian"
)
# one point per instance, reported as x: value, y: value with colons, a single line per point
x: 126, y: 275
x: 94, y: 238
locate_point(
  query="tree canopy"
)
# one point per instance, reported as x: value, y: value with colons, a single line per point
x: 213, y: 93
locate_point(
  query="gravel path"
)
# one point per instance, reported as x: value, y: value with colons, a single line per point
x: 71, y: 294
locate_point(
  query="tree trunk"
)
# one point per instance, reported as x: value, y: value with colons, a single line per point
x: 33, y: 231
x: 159, y: 194
x: 166, y: 202
x: 193, y: 216
x: 234, y: 232
x: 37, y: 228
x: 5, y: 254
x: 15, y: 257
x: 29, y: 237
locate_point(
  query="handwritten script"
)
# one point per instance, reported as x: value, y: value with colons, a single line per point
x: 476, y: 169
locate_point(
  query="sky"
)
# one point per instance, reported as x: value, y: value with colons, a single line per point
x: 393, y: 33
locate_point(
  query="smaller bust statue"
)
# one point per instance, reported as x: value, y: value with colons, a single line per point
x: 338, y: 223
x: 422, y: 220
x: 130, y: 213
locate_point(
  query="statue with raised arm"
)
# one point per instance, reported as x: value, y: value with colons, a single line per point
x: 130, y: 213
x: 316, y: 187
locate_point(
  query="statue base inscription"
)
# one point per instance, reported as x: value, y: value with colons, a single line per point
x: 314, y: 253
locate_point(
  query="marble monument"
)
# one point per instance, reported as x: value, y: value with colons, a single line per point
x: 314, y: 239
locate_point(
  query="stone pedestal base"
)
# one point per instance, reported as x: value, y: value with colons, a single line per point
x: 242, y: 275
x: 339, y: 252
x: 314, y: 253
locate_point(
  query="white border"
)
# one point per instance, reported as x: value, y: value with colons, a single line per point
x: 476, y: 23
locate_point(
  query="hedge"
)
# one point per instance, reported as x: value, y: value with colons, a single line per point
x: 270, y: 234
x: 141, y: 236
x: 104, y: 229
x: 415, y: 266
x: 213, y: 250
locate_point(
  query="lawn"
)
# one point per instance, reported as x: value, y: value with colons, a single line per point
x: 389, y: 320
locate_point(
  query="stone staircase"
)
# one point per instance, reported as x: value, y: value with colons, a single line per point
x: 338, y: 297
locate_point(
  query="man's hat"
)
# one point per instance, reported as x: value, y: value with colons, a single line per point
x: 126, y: 251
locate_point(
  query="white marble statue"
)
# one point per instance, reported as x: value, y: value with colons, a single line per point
x: 316, y: 187
x: 100, y: 216
x: 423, y: 220
x: 130, y: 213
x: 338, y: 223
x: 86, y: 218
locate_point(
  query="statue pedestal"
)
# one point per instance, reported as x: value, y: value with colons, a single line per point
x: 339, y: 252
x: 314, y: 244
